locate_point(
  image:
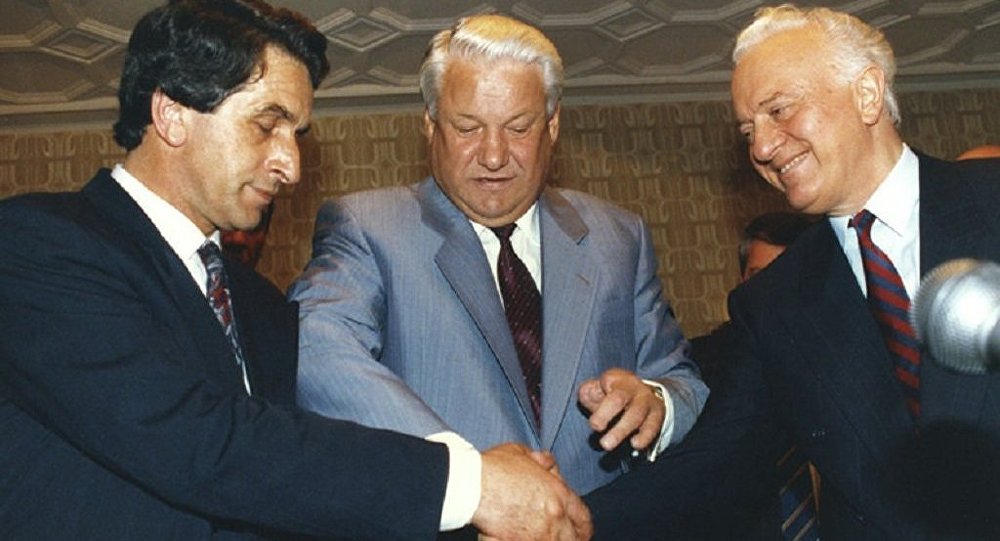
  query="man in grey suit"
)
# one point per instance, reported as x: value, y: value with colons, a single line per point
x: 402, y: 315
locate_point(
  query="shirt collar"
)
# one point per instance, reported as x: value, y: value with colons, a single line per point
x: 894, y: 201
x: 527, y: 223
x: 177, y: 229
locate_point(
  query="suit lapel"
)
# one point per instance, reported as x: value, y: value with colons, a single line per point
x: 568, y: 291
x: 463, y: 263
x: 842, y: 343
x: 163, y: 279
x: 952, y: 225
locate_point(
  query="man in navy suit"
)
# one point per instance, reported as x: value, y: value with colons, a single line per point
x: 403, y: 306
x: 903, y: 452
x: 131, y: 407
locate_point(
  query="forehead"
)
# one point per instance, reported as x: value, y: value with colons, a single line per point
x: 280, y: 81
x: 787, y: 60
x: 481, y: 79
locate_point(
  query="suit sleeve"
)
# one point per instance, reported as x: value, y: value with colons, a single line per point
x: 661, y: 349
x: 711, y: 485
x: 87, y: 353
x: 342, y: 303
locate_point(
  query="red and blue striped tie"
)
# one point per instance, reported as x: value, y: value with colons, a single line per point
x: 217, y: 290
x: 890, y: 305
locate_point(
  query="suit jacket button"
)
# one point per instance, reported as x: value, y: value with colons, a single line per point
x: 818, y: 434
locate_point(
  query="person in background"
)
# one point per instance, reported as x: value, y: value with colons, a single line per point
x: 979, y: 152
x: 820, y: 343
x: 247, y: 246
x: 481, y: 301
x: 147, y: 384
x: 764, y: 239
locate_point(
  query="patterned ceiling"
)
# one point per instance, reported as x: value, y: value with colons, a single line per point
x: 60, y: 59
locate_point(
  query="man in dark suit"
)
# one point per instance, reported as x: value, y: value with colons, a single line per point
x: 785, y: 508
x: 906, y: 448
x: 131, y: 406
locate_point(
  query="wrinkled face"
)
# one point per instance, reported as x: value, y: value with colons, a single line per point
x: 759, y: 255
x: 238, y: 156
x: 805, y: 129
x: 491, y: 144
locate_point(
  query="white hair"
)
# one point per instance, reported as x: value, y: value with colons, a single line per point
x: 491, y: 38
x: 854, y: 44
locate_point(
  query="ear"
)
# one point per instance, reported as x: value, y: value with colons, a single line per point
x: 870, y: 93
x: 429, y: 125
x: 170, y: 119
x: 553, y: 124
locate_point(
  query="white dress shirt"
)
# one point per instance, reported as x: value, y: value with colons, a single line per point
x: 896, y: 205
x: 465, y: 463
x: 526, y: 240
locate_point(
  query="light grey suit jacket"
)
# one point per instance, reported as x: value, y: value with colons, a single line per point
x: 402, y: 326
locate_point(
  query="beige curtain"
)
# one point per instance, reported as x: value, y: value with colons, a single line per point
x: 682, y: 166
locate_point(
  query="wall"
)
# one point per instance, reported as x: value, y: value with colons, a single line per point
x: 682, y: 166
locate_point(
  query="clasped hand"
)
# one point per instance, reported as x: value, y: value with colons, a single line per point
x: 622, y: 406
x: 524, y: 498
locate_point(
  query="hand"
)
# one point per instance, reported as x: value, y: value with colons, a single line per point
x: 525, y: 500
x: 621, y: 394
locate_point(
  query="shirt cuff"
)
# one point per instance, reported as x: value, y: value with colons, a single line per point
x: 465, y: 481
x: 667, y: 429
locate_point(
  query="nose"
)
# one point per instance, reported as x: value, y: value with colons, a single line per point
x: 767, y: 139
x: 283, y: 161
x: 494, y: 151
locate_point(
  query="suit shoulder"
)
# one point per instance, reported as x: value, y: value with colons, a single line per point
x: 45, y: 214
x: 54, y: 204
x: 590, y: 205
x: 376, y: 204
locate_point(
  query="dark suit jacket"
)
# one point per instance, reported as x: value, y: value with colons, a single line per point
x: 122, y: 411
x: 807, y: 354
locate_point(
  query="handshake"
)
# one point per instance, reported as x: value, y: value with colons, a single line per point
x: 523, y: 495
x: 525, y: 499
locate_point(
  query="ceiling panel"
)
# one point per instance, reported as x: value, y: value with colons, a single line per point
x: 61, y: 58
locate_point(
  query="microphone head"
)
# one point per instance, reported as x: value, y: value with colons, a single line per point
x: 956, y: 309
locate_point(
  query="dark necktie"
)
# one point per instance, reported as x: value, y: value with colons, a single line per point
x: 523, y: 307
x: 218, y: 297
x: 798, y: 502
x: 890, y: 305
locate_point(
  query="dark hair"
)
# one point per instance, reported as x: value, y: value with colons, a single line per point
x: 775, y: 228
x: 198, y: 52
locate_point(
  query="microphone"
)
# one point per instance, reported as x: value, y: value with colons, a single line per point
x: 956, y: 314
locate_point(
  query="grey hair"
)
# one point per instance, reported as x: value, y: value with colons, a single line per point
x: 854, y: 44
x: 492, y: 38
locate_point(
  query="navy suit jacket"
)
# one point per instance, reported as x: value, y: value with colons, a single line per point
x: 123, y: 413
x: 807, y: 356
x: 403, y: 327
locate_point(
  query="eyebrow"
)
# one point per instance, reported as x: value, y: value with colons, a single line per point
x: 276, y: 109
x: 285, y: 114
x: 761, y: 104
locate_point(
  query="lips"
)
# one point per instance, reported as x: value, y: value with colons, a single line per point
x: 493, y: 182
x: 266, y: 195
x: 792, y: 163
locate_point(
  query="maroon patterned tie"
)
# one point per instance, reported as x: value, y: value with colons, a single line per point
x: 890, y: 305
x: 217, y: 291
x: 523, y: 306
